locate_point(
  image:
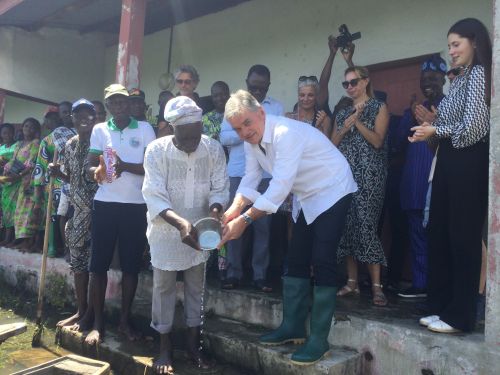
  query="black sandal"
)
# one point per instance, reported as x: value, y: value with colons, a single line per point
x: 230, y: 283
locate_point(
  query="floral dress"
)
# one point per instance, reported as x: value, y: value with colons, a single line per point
x: 56, y: 139
x: 81, y: 194
x: 9, y: 189
x: 369, y: 168
x: 25, y: 153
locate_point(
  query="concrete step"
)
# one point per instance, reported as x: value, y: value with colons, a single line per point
x: 136, y: 358
x: 237, y: 343
x: 235, y: 346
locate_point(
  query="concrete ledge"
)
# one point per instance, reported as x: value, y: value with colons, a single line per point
x: 237, y: 343
x: 389, y: 338
x: 229, y: 341
x: 402, y: 347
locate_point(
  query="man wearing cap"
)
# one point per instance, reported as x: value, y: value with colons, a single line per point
x: 80, y: 196
x: 119, y: 211
x: 138, y: 105
x: 414, y: 179
x: 185, y: 181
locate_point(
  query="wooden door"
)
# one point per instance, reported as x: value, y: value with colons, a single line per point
x: 399, y: 80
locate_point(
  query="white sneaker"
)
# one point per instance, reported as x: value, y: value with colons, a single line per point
x: 441, y: 327
x: 428, y: 320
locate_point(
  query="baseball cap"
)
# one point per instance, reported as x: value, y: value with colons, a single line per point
x: 136, y: 93
x: 115, y: 89
x: 434, y: 64
x: 82, y: 102
x: 51, y: 109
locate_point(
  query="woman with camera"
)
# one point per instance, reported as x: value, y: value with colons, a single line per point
x: 460, y: 182
x: 359, y: 132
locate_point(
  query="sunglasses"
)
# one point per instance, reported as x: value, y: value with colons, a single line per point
x: 183, y: 81
x: 308, y: 78
x: 353, y: 82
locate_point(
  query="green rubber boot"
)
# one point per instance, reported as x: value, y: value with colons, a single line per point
x: 296, y: 293
x: 321, y: 320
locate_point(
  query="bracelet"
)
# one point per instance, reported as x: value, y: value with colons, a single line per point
x: 247, y: 218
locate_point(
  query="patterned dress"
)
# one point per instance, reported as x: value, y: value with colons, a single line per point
x: 212, y: 123
x: 23, y: 225
x: 81, y: 193
x: 369, y: 168
x: 9, y: 189
x: 57, y: 138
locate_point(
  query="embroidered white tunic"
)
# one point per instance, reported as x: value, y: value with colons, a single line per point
x: 188, y: 184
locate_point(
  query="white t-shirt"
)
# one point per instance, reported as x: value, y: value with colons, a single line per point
x: 129, y: 144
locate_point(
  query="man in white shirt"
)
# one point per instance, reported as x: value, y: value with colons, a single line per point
x: 115, y: 162
x: 304, y: 162
x: 185, y: 181
x: 258, y: 82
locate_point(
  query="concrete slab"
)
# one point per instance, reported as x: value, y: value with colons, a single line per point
x: 389, y: 338
x: 12, y: 329
x: 238, y: 343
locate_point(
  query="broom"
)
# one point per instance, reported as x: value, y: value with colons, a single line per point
x: 37, y: 335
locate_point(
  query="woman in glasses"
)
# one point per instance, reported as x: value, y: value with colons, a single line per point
x: 359, y: 132
x: 460, y: 183
x: 307, y: 109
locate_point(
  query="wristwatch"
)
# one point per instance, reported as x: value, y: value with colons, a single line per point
x: 247, y: 218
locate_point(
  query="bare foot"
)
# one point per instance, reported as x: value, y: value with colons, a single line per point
x: 69, y: 321
x: 163, y: 364
x: 129, y: 332
x: 84, y: 324
x: 94, y: 337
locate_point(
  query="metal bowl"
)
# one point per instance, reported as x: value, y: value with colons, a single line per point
x: 209, y: 233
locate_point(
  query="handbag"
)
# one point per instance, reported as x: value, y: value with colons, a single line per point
x: 17, y: 167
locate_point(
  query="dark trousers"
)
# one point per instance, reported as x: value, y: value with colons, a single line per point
x: 316, y: 244
x: 458, y: 208
x: 418, y: 243
x: 399, y: 227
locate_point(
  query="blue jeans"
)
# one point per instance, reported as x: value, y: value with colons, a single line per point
x: 260, y: 246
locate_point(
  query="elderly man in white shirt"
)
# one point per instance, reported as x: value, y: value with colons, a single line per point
x: 185, y: 180
x: 302, y: 161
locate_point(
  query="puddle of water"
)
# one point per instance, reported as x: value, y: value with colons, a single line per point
x: 16, y: 352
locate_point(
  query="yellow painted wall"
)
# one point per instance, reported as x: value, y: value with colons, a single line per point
x: 290, y: 37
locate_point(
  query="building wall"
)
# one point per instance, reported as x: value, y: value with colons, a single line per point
x: 50, y: 64
x: 290, y: 37
x: 17, y: 110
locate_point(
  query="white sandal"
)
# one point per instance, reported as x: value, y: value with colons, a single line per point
x: 347, y: 291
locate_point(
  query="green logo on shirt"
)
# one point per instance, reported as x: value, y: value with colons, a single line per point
x: 135, y: 142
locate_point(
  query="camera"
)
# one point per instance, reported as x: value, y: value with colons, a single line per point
x: 345, y: 37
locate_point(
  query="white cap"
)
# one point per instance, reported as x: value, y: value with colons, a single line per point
x: 182, y: 110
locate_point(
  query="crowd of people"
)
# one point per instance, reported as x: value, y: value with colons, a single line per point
x: 121, y: 182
